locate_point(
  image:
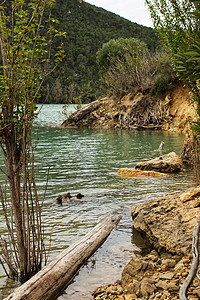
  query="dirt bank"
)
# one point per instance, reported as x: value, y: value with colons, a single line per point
x: 137, y: 111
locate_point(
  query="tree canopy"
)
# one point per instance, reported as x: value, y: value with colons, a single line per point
x: 87, y: 28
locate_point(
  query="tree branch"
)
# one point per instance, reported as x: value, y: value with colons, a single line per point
x: 195, y: 262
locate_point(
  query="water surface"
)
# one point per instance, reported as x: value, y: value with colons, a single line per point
x: 87, y: 161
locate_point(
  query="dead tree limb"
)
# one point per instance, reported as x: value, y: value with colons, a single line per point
x: 81, y: 113
x: 52, y: 279
x: 195, y: 262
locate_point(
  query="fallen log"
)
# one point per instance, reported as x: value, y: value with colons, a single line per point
x: 148, y: 126
x: 53, y: 279
x: 81, y: 113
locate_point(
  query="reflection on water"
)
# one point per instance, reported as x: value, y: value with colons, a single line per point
x: 86, y: 161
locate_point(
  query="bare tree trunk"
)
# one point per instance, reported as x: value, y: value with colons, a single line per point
x: 15, y: 195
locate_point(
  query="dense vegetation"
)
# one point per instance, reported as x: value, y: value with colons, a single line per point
x: 87, y: 28
x: 127, y: 65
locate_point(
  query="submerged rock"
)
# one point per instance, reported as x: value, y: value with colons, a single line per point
x: 125, y: 172
x: 168, y: 163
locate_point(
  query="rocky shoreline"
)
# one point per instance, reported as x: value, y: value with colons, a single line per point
x: 166, y: 224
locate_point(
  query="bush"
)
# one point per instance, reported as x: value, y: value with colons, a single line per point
x: 117, y: 50
x: 121, y: 63
x: 126, y: 65
x: 164, y: 75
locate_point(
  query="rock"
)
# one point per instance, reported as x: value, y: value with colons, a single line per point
x: 162, y: 285
x: 147, y: 287
x: 168, y: 263
x: 133, y: 287
x: 167, y: 222
x: 190, y: 194
x: 130, y: 297
x: 168, y: 275
x: 168, y: 163
x: 124, y: 172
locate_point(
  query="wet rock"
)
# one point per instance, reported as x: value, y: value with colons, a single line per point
x: 125, y: 172
x: 167, y: 223
x: 169, y: 163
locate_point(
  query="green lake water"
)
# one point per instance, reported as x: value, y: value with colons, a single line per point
x: 87, y: 161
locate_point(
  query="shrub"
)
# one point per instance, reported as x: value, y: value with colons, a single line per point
x: 164, y: 75
x: 126, y: 65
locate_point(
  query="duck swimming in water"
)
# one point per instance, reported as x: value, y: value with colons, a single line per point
x: 63, y: 198
x: 67, y: 197
x: 79, y: 196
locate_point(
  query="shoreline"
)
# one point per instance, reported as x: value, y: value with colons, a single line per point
x: 166, y: 223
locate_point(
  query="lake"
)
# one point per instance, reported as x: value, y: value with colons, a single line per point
x: 86, y: 161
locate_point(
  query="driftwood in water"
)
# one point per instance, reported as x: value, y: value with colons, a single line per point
x: 148, y: 126
x: 195, y: 262
x: 81, y: 113
x: 52, y: 279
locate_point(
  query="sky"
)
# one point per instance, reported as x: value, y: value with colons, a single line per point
x: 133, y: 10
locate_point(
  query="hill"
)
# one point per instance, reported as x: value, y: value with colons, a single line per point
x: 88, y: 28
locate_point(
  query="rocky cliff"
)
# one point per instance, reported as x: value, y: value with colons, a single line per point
x: 137, y: 111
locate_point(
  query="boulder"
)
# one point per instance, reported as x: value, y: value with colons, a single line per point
x: 168, y: 222
x: 125, y: 172
x: 169, y: 163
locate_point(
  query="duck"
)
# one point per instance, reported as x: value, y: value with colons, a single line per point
x: 79, y: 196
x: 66, y: 197
x: 63, y: 198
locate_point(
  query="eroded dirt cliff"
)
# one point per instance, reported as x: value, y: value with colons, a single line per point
x: 138, y: 111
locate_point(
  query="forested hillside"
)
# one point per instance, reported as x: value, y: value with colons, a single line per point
x: 87, y: 27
